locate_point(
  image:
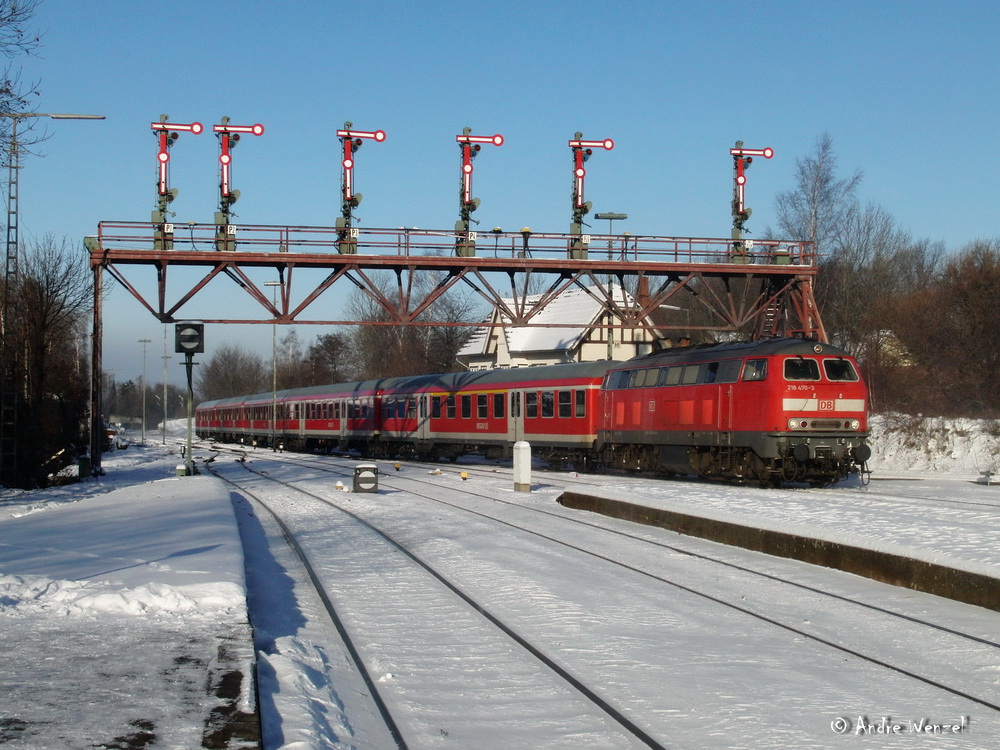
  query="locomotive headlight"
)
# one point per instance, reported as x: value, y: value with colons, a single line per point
x: 855, y: 424
x: 797, y: 424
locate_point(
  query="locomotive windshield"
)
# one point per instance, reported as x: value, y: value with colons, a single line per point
x: 839, y: 369
x: 801, y: 369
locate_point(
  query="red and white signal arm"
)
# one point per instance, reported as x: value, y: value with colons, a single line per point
x: 606, y: 144
x: 348, y: 137
x: 767, y: 153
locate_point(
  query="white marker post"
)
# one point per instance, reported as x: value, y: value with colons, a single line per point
x: 522, y: 466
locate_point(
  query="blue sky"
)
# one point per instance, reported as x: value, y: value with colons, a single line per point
x: 907, y: 90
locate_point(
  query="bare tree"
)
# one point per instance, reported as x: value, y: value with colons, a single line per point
x: 51, y: 300
x: 381, y: 350
x: 16, y: 36
x: 16, y: 39
x: 820, y: 205
x: 292, y: 371
x: 328, y: 359
x: 231, y: 371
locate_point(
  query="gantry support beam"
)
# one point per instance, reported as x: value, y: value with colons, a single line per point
x: 768, y: 287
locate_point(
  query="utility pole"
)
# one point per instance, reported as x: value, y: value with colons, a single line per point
x: 143, y: 431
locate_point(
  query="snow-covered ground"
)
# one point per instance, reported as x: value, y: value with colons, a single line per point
x: 122, y: 610
x: 119, y: 594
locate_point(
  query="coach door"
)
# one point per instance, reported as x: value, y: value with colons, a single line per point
x: 515, y: 422
x: 343, y: 421
x: 423, y: 416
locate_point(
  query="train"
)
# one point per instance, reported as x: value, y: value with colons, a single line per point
x: 774, y: 411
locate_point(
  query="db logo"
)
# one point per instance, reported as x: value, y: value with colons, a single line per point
x: 826, y: 405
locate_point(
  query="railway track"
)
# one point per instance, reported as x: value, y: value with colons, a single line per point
x: 387, y: 708
x: 491, y: 510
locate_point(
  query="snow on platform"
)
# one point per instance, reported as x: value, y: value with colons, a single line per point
x: 121, y: 600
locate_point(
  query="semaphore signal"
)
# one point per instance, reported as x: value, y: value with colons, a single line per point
x: 166, y: 139
x: 582, y: 151
x: 470, y: 145
x: 351, y: 141
x: 229, y: 136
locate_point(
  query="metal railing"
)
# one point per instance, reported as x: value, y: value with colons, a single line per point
x: 258, y: 238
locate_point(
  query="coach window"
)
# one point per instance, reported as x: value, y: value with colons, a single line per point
x: 401, y: 408
x: 690, y: 376
x: 548, y: 404
x: 435, y: 407
x: 565, y: 403
x: 498, y: 405
x: 530, y: 405
x: 839, y: 369
x: 411, y: 407
x: 755, y: 369
x: 450, y: 406
x: 799, y: 368
x: 482, y: 406
x: 467, y: 407
x: 581, y: 403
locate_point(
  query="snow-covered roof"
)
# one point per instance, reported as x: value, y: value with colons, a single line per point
x: 574, y: 311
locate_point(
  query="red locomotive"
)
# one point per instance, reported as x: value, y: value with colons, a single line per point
x: 773, y: 411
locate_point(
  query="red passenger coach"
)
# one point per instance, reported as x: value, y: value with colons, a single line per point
x: 781, y: 410
x: 552, y: 407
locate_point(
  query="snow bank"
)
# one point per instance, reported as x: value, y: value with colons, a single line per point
x: 933, y: 445
x: 159, y: 547
x: 32, y: 594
